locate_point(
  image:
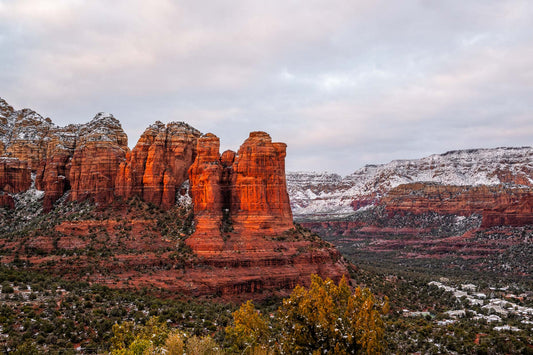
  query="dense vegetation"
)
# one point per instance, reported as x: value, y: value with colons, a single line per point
x: 41, y: 313
x: 51, y: 314
x: 326, y: 318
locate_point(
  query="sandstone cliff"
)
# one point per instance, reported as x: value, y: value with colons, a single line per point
x: 15, y: 177
x: 24, y: 134
x: 94, y: 166
x: 206, y: 185
x: 421, y: 198
x: 259, y: 200
x: 327, y: 196
x: 244, y: 193
x: 157, y: 167
x: 518, y: 212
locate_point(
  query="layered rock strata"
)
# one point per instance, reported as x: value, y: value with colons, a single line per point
x: 516, y: 213
x: 259, y: 200
x: 206, y: 186
x: 157, y: 167
x: 15, y: 177
x: 419, y: 198
x: 243, y: 194
x: 244, y: 244
x: 96, y: 160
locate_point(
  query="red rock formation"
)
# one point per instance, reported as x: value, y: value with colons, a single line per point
x: 421, y: 198
x: 516, y: 214
x: 6, y: 111
x: 28, y: 137
x: 259, y: 200
x: 53, y: 173
x: 242, y: 194
x: 96, y: 160
x: 52, y: 178
x: 15, y: 175
x: 6, y: 201
x: 157, y: 166
x: 205, y: 176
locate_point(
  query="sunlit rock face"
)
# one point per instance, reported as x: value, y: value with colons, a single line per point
x: 243, y: 220
x: 244, y: 191
x: 259, y: 200
x: 157, y: 167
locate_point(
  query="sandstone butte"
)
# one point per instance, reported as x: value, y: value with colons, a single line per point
x: 244, y: 193
x: 244, y: 231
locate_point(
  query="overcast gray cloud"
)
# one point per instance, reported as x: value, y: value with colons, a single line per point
x: 343, y: 83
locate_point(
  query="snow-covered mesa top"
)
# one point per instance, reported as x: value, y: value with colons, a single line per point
x: 330, y: 194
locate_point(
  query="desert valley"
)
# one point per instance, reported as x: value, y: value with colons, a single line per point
x: 95, y: 235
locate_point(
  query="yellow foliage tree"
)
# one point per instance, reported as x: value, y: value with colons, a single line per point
x: 131, y: 339
x: 329, y: 318
x: 249, y: 328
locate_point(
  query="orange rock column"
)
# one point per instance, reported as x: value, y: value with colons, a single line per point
x: 205, y: 176
x: 259, y: 201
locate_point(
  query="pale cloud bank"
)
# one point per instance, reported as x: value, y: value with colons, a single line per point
x: 343, y: 83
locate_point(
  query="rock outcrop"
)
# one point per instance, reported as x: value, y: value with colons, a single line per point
x: 516, y: 213
x: 52, y: 176
x: 15, y: 175
x: 205, y: 179
x: 24, y: 134
x: 243, y: 221
x: 244, y: 192
x: 259, y: 201
x: 419, y: 198
x: 6, y: 112
x: 157, y: 167
x: 94, y: 166
x: 244, y: 243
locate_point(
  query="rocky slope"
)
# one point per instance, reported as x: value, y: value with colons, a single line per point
x: 128, y: 223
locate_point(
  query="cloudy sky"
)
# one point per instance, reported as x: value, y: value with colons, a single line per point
x: 343, y: 83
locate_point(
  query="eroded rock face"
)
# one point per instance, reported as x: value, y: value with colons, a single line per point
x: 94, y: 166
x: 6, y: 200
x: 205, y: 178
x: 244, y: 244
x: 421, y: 198
x: 157, y: 167
x: 52, y: 176
x: 6, y: 112
x: 259, y: 200
x: 243, y: 194
x: 244, y: 226
x: 517, y: 213
x: 95, y: 149
x: 24, y: 134
x: 15, y: 175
